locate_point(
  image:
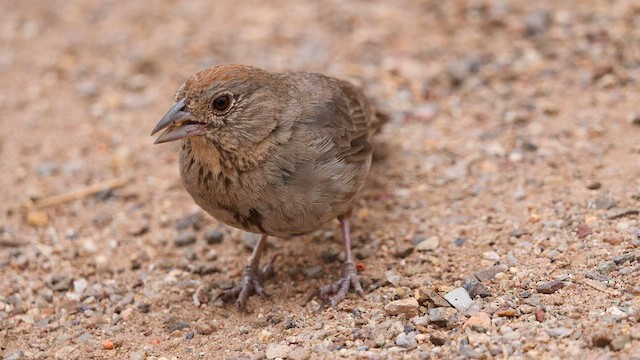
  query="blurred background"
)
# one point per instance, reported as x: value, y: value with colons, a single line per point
x: 514, y: 133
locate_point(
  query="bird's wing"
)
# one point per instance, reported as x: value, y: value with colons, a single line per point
x: 344, y: 116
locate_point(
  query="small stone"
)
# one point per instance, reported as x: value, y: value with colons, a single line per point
x: 606, y: 267
x: 185, y: 239
x: 212, y: 255
x: 313, y: 272
x: 404, y: 249
x: 203, y: 329
x: 127, y: 314
x: 583, y: 231
x: 475, y: 287
x: 429, y: 244
x: 436, y: 299
x: 437, y: 340
x: 560, y: 332
x: 634, y: 118
x: 619, y: 342
x: 250, y: 239
x: 540, y: 314
x: 550, y: 287
x: 602, y: 202
x: 409, y: 307
x: 634, y: 332
x: 490, y: 273
x: 16, y: 355
x: 108, y: 345
x: 618, y: 213
x: 392, y: 277
x: 190, y: 335
x: 601, y: 338
x: 490, y: 255
x: 138, y: 355
x: 508, y: 313
x: 330, y: 255
x: 79, y: 285
x: 66, y: 352
x: 405, y: 340
x: 458, y: 298
x: 173, y: 323
x: 37, y: 218
x: 443, y: 317
x: 264, y: 335
x: 594, y: 185
x: 213, y: 237
x: 480, y: 322
x: 299, y: 353
x: 192, y: 220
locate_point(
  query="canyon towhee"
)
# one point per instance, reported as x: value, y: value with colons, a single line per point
x: 275, y: 154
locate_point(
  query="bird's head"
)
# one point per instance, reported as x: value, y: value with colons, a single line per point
x: 232, y: 106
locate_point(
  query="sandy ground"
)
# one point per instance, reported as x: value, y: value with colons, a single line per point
x: 509, y: 172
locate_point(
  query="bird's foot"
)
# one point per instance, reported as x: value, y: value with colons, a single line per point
x: 250, y: 284
x: 340, y: 288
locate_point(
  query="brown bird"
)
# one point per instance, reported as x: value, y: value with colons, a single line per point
x: 278, y: 154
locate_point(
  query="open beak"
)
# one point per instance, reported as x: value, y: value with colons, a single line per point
x: 179, y: 124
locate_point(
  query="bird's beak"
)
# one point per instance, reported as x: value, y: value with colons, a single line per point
x: 179, y: 124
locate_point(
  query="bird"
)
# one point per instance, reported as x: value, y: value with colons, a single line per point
x: 278, y: 154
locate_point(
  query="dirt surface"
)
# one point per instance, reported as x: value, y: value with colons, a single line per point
x: 510, y: 169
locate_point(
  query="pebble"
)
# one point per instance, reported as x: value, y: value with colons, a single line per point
x: 190, y: 335
x: 560, y: 332
x: 409, y: 307
x: 108, y: 345
x: 264, y: 335
x: 550, y: 287
x: 79, y: 285
x: 583, y: 231
x: 436, y: 299
x: 437, y: 340
x: 203, y: 329
x: 212, y: 255
x: 490, y: 273
x: 490, y: 255
x: 619, y: 342
x: 618, y: 213
x: 480, y: 322
x: 443, y: 317
x: 634, y: 118
x: 458, y: 298
x: 277, y: 351
x: 475, y: 287
x: 17, y: 355
x: 595, y: 185
x: 606, y: 267
x: 540, y: 314
x: 213, y: 237
x: 65, y: 353
x: 404, y: 249
x: 313, y: 272
x: 392, y: 277
x: 185, y: 239
x: 37, y: 218
x: 192, y: 220
x: 137, y: 355
x: 299, y: 353
x: 406, y: 340
x: 429, y: 244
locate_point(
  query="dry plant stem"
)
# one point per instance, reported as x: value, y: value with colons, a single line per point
x: 80, y: 193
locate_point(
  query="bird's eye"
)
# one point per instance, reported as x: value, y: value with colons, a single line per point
x: 222, y: 103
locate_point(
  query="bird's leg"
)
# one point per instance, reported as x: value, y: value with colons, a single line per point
x: 251, y: 277
x: 349, y: 278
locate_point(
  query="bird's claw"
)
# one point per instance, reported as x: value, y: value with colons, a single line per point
x: 340, y: 288
x: 251, y: 283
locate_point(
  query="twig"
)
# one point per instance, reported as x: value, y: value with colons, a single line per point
x: 80, y: 193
